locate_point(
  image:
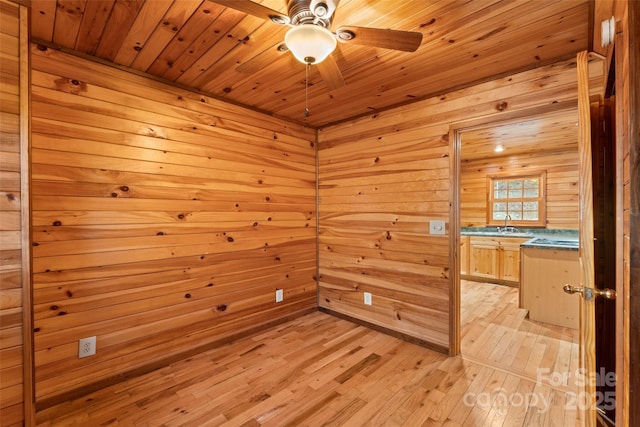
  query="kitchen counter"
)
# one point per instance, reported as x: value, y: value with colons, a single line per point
x: 540, y: 238
x: 539, y: 261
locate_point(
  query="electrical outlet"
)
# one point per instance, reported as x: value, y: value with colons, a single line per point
x: 86, y: 347
x: 367, y: 298
x: 279, y: 295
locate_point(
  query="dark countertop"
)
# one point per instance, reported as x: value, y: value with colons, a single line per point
x: 540, y: 238
x: 566, y: 244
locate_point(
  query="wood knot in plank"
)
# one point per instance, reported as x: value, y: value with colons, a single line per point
x: 426, y: 24
x: 72, y: 86
x: 501, y: 106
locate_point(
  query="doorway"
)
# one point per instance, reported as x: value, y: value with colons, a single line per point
x: 530, y: 165
x: 493, y: 328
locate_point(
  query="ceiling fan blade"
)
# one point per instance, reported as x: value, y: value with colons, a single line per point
x: 408, y: 41
x: 330, y: 73
x: 255, y: 9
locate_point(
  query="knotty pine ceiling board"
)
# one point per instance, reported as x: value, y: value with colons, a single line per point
x: 201, y: 44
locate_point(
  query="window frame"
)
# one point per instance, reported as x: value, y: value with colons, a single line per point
x: 541, y: 199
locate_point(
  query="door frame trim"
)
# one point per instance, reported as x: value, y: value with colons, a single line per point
x: 632, y: 298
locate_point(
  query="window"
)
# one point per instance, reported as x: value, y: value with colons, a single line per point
x: 520, y: 199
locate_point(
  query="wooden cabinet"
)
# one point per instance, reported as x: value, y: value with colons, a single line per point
x: 510, y: 259
x: 464, y: 255
x: 484, y: 257
x: 544, y: 273
x: 495, y: 258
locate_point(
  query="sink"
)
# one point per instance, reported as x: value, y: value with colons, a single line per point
x: 514, y: 234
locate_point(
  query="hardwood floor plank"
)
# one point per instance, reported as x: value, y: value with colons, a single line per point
x: 518, y: 409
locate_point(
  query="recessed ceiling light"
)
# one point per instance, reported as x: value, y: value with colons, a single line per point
x: 499, y: 149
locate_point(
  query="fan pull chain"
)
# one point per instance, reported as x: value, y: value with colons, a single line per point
x: 306, y: 90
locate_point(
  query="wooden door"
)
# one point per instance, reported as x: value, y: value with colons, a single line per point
x: 591, y: 376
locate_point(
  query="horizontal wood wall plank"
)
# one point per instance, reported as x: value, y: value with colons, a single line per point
x: 132, y: 86
x: 162, y: 220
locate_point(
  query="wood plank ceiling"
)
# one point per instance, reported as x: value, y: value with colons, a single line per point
x: 550, y: 132
x: 201, y: 44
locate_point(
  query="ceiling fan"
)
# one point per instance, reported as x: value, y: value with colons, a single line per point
x: 311, y: 40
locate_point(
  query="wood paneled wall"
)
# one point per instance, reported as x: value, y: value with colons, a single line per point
x: 383, y: 177
x: 163, y: 221
x: 14, y: 301
x: 561, y: 185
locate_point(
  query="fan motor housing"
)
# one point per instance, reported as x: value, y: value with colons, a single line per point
x: 300, y: 13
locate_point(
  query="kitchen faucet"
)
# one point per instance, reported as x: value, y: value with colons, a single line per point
x: 506, y: 229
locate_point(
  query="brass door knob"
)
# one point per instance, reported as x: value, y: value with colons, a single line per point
x: 605, y: 293
x: 589, y: 293
x: 570, y: 289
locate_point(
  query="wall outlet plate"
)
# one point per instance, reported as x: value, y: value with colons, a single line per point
x: 86, y: 347
x: 437, y: 226
x: 279, y: 295
x: 367, y: 298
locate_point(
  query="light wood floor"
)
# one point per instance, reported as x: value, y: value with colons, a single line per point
x: 319, y: 370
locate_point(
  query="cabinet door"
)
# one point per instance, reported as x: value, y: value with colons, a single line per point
x: 464, y: 255
x: 510, y: 262
x: 484, y: 258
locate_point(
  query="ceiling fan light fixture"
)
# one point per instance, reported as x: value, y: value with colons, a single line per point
x: 309, y: 43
